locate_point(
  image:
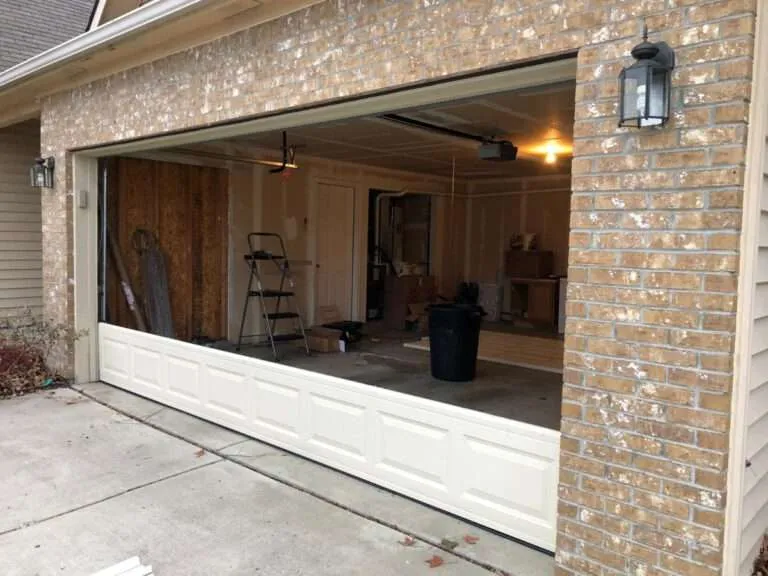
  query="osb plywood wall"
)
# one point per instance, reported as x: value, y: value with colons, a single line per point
x: 495, y: 218
x: 186, y: 207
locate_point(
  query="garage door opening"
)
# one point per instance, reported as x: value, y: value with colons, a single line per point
x: 354, y: 227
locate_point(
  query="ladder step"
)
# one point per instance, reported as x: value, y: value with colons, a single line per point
x: 271, y: 293
x: 263, y: 255
x: 287, y: 337
x: 280, y: 315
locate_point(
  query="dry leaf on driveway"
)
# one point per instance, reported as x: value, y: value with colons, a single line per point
x: 469, y: 539
x: 200, y: 453
x: 407, y: 541
x: 435, y: 561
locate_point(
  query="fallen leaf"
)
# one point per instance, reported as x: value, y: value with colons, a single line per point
x: 407, y: 541
x: 435, y: 561
x: 469, y: 539
x: 200, y: 453
x: 448, y: 544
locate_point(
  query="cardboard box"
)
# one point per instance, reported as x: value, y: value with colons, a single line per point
x: 323, y: 339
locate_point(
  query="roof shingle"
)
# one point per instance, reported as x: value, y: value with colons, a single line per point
x: 29, y: 27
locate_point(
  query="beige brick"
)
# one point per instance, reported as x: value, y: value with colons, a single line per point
x: 589, y: 327
x: 727, y: 241
x: 716, y: 402
x: 634, y: 478
x: 669, y: 394
x: 696, y: 456
x: 633, y: 513
x: 714, y: 302
x: 579, y: 240
x: 677, y: 565
x: 725, y: 199
x: 676, y: 200
x: 606, y: 558
x: 660, y: 541
x: 645, y: 297
x: 711, y: 480
x: 661, y: 504
x: 697, y: 418
x: 673, y: 280
x: 701, y: 340
x: 684, y: 158
x: 672, y: 432
x: 720, y: 322
x: 606, y: 489
x: 596, y: 257
x: 647, y: 260
x: 581, y: 498
x: 711, y: 220
x: 614, y: 277
x: 731, y: 112
x: 699, y: 379
x: 641, y: 334
x: 711, y: 518
x: 672, y: 318
x: 712, y: 440
x: 717, y: 92
x: 663, y: 468
x: 716, y: 362
x: 729, y: 154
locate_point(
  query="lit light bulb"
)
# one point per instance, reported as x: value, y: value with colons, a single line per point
x: 551, y: 153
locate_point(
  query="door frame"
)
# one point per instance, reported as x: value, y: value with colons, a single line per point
x: 85, y: 168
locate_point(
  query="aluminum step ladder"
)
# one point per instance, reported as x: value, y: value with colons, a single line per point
x: 257, y: 256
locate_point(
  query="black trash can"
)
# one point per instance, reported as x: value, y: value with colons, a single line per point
x: 454, y: 331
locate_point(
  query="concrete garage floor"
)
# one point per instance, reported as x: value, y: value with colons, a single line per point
x: 522, y: 394
x: 84, y: 486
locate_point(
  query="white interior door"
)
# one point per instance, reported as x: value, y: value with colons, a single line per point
x: 335, y: 218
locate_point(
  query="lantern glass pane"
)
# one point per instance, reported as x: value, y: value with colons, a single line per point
x: 635, y: 80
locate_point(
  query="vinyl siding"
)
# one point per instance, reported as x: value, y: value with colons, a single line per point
x: 21, y: 281
x: 755, y: 491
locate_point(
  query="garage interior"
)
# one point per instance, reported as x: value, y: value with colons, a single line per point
x: 380, y: 218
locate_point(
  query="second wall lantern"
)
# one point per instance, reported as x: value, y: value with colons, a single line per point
x: 645, y: 86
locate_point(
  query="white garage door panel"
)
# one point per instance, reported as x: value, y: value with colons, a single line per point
x: 494, y: 471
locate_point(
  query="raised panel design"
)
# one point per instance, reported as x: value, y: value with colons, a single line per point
x: 493, y: 471
x: 226, y: 392
x: 146, y: 367
x: 337, y: 425
x: 183, y: 378
x: 414, y: 450
x: 277, y: 407
x: 507, y: 480
x: 115, y: 357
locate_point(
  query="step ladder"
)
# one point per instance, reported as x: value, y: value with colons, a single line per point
x: 257, y: 256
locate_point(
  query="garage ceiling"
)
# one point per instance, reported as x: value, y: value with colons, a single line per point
x: 528, y: 118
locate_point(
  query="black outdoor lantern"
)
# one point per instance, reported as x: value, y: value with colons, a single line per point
x: 646, y: 85
x: 41, y: 174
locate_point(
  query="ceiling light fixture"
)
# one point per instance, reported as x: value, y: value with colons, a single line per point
x: 551, y: 154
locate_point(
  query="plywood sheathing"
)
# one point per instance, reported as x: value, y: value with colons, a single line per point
x: 186, y: 208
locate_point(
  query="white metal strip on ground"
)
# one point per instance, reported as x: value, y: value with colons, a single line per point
x: 497, y: 472
x: 131, y: 567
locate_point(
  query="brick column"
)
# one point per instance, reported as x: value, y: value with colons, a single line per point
x: 651, y: 306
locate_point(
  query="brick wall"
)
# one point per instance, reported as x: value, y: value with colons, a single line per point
x: 655, y: 217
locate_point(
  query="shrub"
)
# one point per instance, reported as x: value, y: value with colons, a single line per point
x: 26, y: 343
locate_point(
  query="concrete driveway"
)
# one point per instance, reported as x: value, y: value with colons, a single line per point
x: 83, y: 487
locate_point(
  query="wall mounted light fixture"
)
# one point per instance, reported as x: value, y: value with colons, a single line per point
x: 41, y: 173
x: 645, y: 86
